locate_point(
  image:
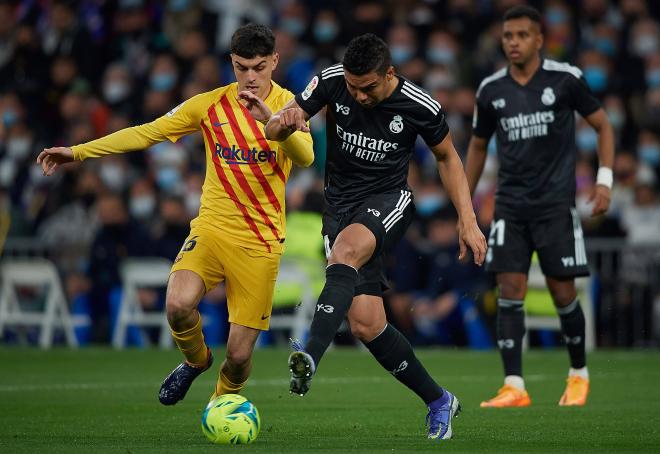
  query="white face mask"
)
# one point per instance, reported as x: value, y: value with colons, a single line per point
x: 113, y: 176
x: 18, y: 147
x: 115, y: 91
x: 142, y: 207
x: 193, y: 203
x: 7, y: 172
x: 583, y: 206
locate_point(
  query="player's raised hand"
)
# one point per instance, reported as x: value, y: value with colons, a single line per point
x: 470, y: 235
x: 255, y: 105
x: 294, y: 119
x: 600, y: 196
x: 51, y: 158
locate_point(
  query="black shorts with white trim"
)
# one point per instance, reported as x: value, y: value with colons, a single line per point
x: 387, y: 216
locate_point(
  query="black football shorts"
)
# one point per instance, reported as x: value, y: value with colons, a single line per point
x: 558, y: 241
x: 387, y: 216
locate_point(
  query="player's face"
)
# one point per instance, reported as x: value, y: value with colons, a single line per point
x: 521, y: 40
x: 254, y: 74
x: 369, y: 89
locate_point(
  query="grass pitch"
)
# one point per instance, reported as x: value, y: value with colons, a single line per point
x: 98, y: 400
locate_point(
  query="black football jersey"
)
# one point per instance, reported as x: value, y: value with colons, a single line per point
x: 534, y: 126
x: 369, y: 148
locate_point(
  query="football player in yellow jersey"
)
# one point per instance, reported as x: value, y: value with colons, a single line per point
x: 239, y: 233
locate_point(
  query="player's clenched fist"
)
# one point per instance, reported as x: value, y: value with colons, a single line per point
x: 294, y: 119
x: 51, y: 158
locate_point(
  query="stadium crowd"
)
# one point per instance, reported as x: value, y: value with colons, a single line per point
x: 71, y: 71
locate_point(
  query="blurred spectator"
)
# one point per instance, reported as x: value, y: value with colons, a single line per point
x: 117, y: 238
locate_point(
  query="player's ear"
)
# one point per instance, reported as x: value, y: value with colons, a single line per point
x: 276, y: 60
x: 539, y: 38
x: 389, y: 74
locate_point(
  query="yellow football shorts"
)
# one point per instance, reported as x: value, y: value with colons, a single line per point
x: 249, y: 274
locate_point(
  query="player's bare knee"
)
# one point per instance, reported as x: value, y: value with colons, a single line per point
x: 365, y: 332
x: 178, y: 308
x: 512, y: 290
x: 238, y: 357
x: 345, y: 253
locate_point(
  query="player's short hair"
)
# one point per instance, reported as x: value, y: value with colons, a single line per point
x: 366, y: 53
x: 252, y: 40
x: 519, y: 11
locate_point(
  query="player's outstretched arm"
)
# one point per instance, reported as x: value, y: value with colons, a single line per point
x: 129, y: 139
x: 454, y: 180
x: 602, y: 191
x: 289, y: 119
x: 476, y: 158
x: 298, y: 147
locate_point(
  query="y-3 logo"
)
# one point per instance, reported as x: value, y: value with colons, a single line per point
x: 325, y: 308
x: 342, y: 109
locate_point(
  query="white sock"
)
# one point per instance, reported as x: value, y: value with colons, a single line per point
x: 581, y: 372
x: 516, y: 381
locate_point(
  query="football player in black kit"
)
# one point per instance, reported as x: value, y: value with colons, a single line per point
x: 374, y: 117
x: 530, y: 107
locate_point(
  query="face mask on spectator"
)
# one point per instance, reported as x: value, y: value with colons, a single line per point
x: 18, y: 147
x: 555, y: 16
x: 441, y: 55
x: 9, y: 118
x: 583, y: 206
x: 193, y: 202
x: 653, y: 78
x: 325, y: 31
x: 606, y: 46
x: 293, y: 26
x: 596, y: 78
x: 112, y: 176
x: 142, y: 207
x: 7, y: 172
x: 587, y: 140
x: 617, y: 118
x: 650, y: 154
x: 178, y: 5
x: 168, y: 178
x: 163, y: 81
x: 115, y: 91
x: 646, y: 45
x: 401, y: 54
x: 430, y: 203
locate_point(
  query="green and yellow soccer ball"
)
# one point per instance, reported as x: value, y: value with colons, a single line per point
x: 231, y: 419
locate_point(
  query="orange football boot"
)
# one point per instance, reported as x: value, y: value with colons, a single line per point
x: 577, y: 389
x: 508, y: 396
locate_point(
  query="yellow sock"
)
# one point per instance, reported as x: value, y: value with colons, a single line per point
x: 226, y: 386
x: 191, y: 343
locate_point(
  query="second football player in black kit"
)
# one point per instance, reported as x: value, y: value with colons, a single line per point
x: 530, y: 106
x: 374, y: 118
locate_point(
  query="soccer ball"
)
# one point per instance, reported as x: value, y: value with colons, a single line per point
x: 231, y: 419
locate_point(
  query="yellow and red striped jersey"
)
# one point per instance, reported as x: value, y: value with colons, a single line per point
x: 243, y: 192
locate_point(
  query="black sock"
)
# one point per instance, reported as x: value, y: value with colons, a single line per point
x: 510, y: 332
x: 332, y: 306
x: 393, y: 351
x: 572, y: 326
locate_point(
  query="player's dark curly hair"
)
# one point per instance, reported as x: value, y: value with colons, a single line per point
x: 252, y: 40
x: 366, y: 53
x: 523, y: 11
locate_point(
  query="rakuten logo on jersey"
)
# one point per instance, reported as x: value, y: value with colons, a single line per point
x: 527, y: 126
x: 364, y: 147
x: 236, y: 155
